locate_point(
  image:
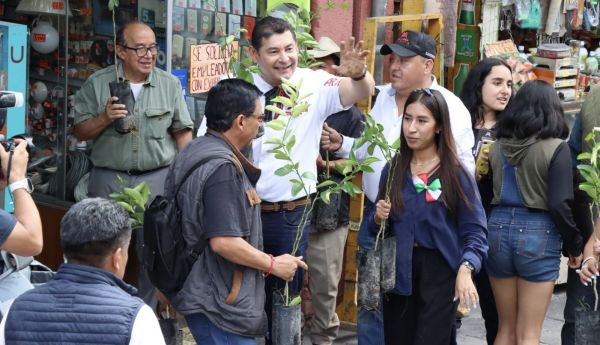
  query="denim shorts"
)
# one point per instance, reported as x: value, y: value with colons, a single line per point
x: 523, y: 243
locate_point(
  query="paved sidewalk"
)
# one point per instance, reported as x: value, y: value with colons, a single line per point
x: 472, y: 331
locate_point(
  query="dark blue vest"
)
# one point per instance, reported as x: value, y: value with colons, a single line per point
x: 81, y: 305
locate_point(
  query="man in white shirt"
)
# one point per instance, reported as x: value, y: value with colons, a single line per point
x: 411, y: 67
x: 275, y: 51
x: 87, y: 301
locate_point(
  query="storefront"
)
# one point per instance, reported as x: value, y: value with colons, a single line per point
x: 53, y: 46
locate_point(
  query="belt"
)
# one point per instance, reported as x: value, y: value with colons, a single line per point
x: 142, y: 172
x: 284, y: 205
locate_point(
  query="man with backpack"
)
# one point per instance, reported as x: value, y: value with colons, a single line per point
x: 223, y: 296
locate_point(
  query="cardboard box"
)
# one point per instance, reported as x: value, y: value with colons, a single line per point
x: 224, y: 6
x: 555, y: 64
x: 195, y: 4
x: 178, y: 19
x: 209, y: 5
x: 206, y: 22
x: 192, y: 20
x: 220, y: 24
x: 237, y: 7
x: 553, y: 78
x: 234, y: 25
x: 250, y: 8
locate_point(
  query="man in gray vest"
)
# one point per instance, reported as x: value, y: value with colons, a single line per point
x: 223, y: 297
x: 87, y: 301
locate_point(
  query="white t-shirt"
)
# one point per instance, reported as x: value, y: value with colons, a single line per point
x: 145, y: 331
x: 136, y: 88
x: 324, y: 100
x: 385, y: 111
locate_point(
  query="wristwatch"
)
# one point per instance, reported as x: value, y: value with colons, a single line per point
x: 24, y: 183
x: 468, y: 265
x: 361, y: 77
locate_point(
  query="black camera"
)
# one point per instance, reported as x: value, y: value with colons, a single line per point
x: 10, y: 143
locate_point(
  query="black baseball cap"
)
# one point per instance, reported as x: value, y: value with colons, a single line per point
x: 411, y: 43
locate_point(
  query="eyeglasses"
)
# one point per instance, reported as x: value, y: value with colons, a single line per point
x: 426, y: 91
x: 142, y: 51
x: 259, y: 117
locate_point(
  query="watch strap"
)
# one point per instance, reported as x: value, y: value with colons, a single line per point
x: 468, y: 265
x: 24, y: 183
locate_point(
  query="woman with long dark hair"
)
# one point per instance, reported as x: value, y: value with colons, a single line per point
x: 531, y: 172
x: 486, y: 93
x: 438, y: 222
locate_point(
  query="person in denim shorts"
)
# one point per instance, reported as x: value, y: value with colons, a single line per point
x: 530, y: 215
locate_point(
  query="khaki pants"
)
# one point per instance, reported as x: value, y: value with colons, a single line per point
x: 102, y: 183
x: 325, y: 257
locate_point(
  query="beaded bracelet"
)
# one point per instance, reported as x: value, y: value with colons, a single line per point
x: 270, y: 270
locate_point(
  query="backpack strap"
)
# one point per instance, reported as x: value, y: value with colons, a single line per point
x: 191, y: 170
x: 199, y: 247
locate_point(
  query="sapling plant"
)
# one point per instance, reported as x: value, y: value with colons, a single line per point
x: 591, y: 185
x: 281, y: 147
x: 112, y: 7
x: 133, y: 200
x: 120, y: 88
x: 375, y: 139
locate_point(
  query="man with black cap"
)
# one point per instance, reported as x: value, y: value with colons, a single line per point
x: 411, y: 67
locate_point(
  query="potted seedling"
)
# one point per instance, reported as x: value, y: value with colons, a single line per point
x: 587, y: 319
x: 377, y: 266
x: 120, y: 87
x: 133, y: 200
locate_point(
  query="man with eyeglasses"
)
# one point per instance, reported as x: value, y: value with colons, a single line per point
x: 223, y: 296
x: 411, y: 67
x: 162, y: 124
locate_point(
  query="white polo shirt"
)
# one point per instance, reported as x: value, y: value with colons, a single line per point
x: 324, y: 100
x: 385, y: 112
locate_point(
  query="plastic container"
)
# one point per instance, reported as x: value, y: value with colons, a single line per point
x: 522, y: 53
x: 591, y: 64
x: 583, y: 54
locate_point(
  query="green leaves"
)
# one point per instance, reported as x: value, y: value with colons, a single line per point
x: 297, y: 300
x: 112, y: 4
x: 284, y: 170
x: 591, y: 172
x: 276, y: 124
x: 133, y: 200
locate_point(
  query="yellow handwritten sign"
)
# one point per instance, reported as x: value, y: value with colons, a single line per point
x: 208, y: 65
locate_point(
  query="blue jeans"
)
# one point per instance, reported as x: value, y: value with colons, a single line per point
x: 523, y: 243
x: 279, y: 233
x: 369, y: 326
x: 206, y: 333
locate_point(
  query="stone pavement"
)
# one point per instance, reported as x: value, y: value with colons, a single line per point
x: 472, y: 331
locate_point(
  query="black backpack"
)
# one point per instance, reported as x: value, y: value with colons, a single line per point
x: 167, y: 258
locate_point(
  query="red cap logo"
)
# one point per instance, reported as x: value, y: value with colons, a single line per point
x: 404, y: 38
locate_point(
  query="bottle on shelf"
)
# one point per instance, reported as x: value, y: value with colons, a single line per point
x: 467, y: 12
x: 591, y: 64
x: 583, y: 54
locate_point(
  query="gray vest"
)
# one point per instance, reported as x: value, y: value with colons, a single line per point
x: 208, y: 286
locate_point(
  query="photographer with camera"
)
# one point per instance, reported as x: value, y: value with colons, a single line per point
x: 21, y: 232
